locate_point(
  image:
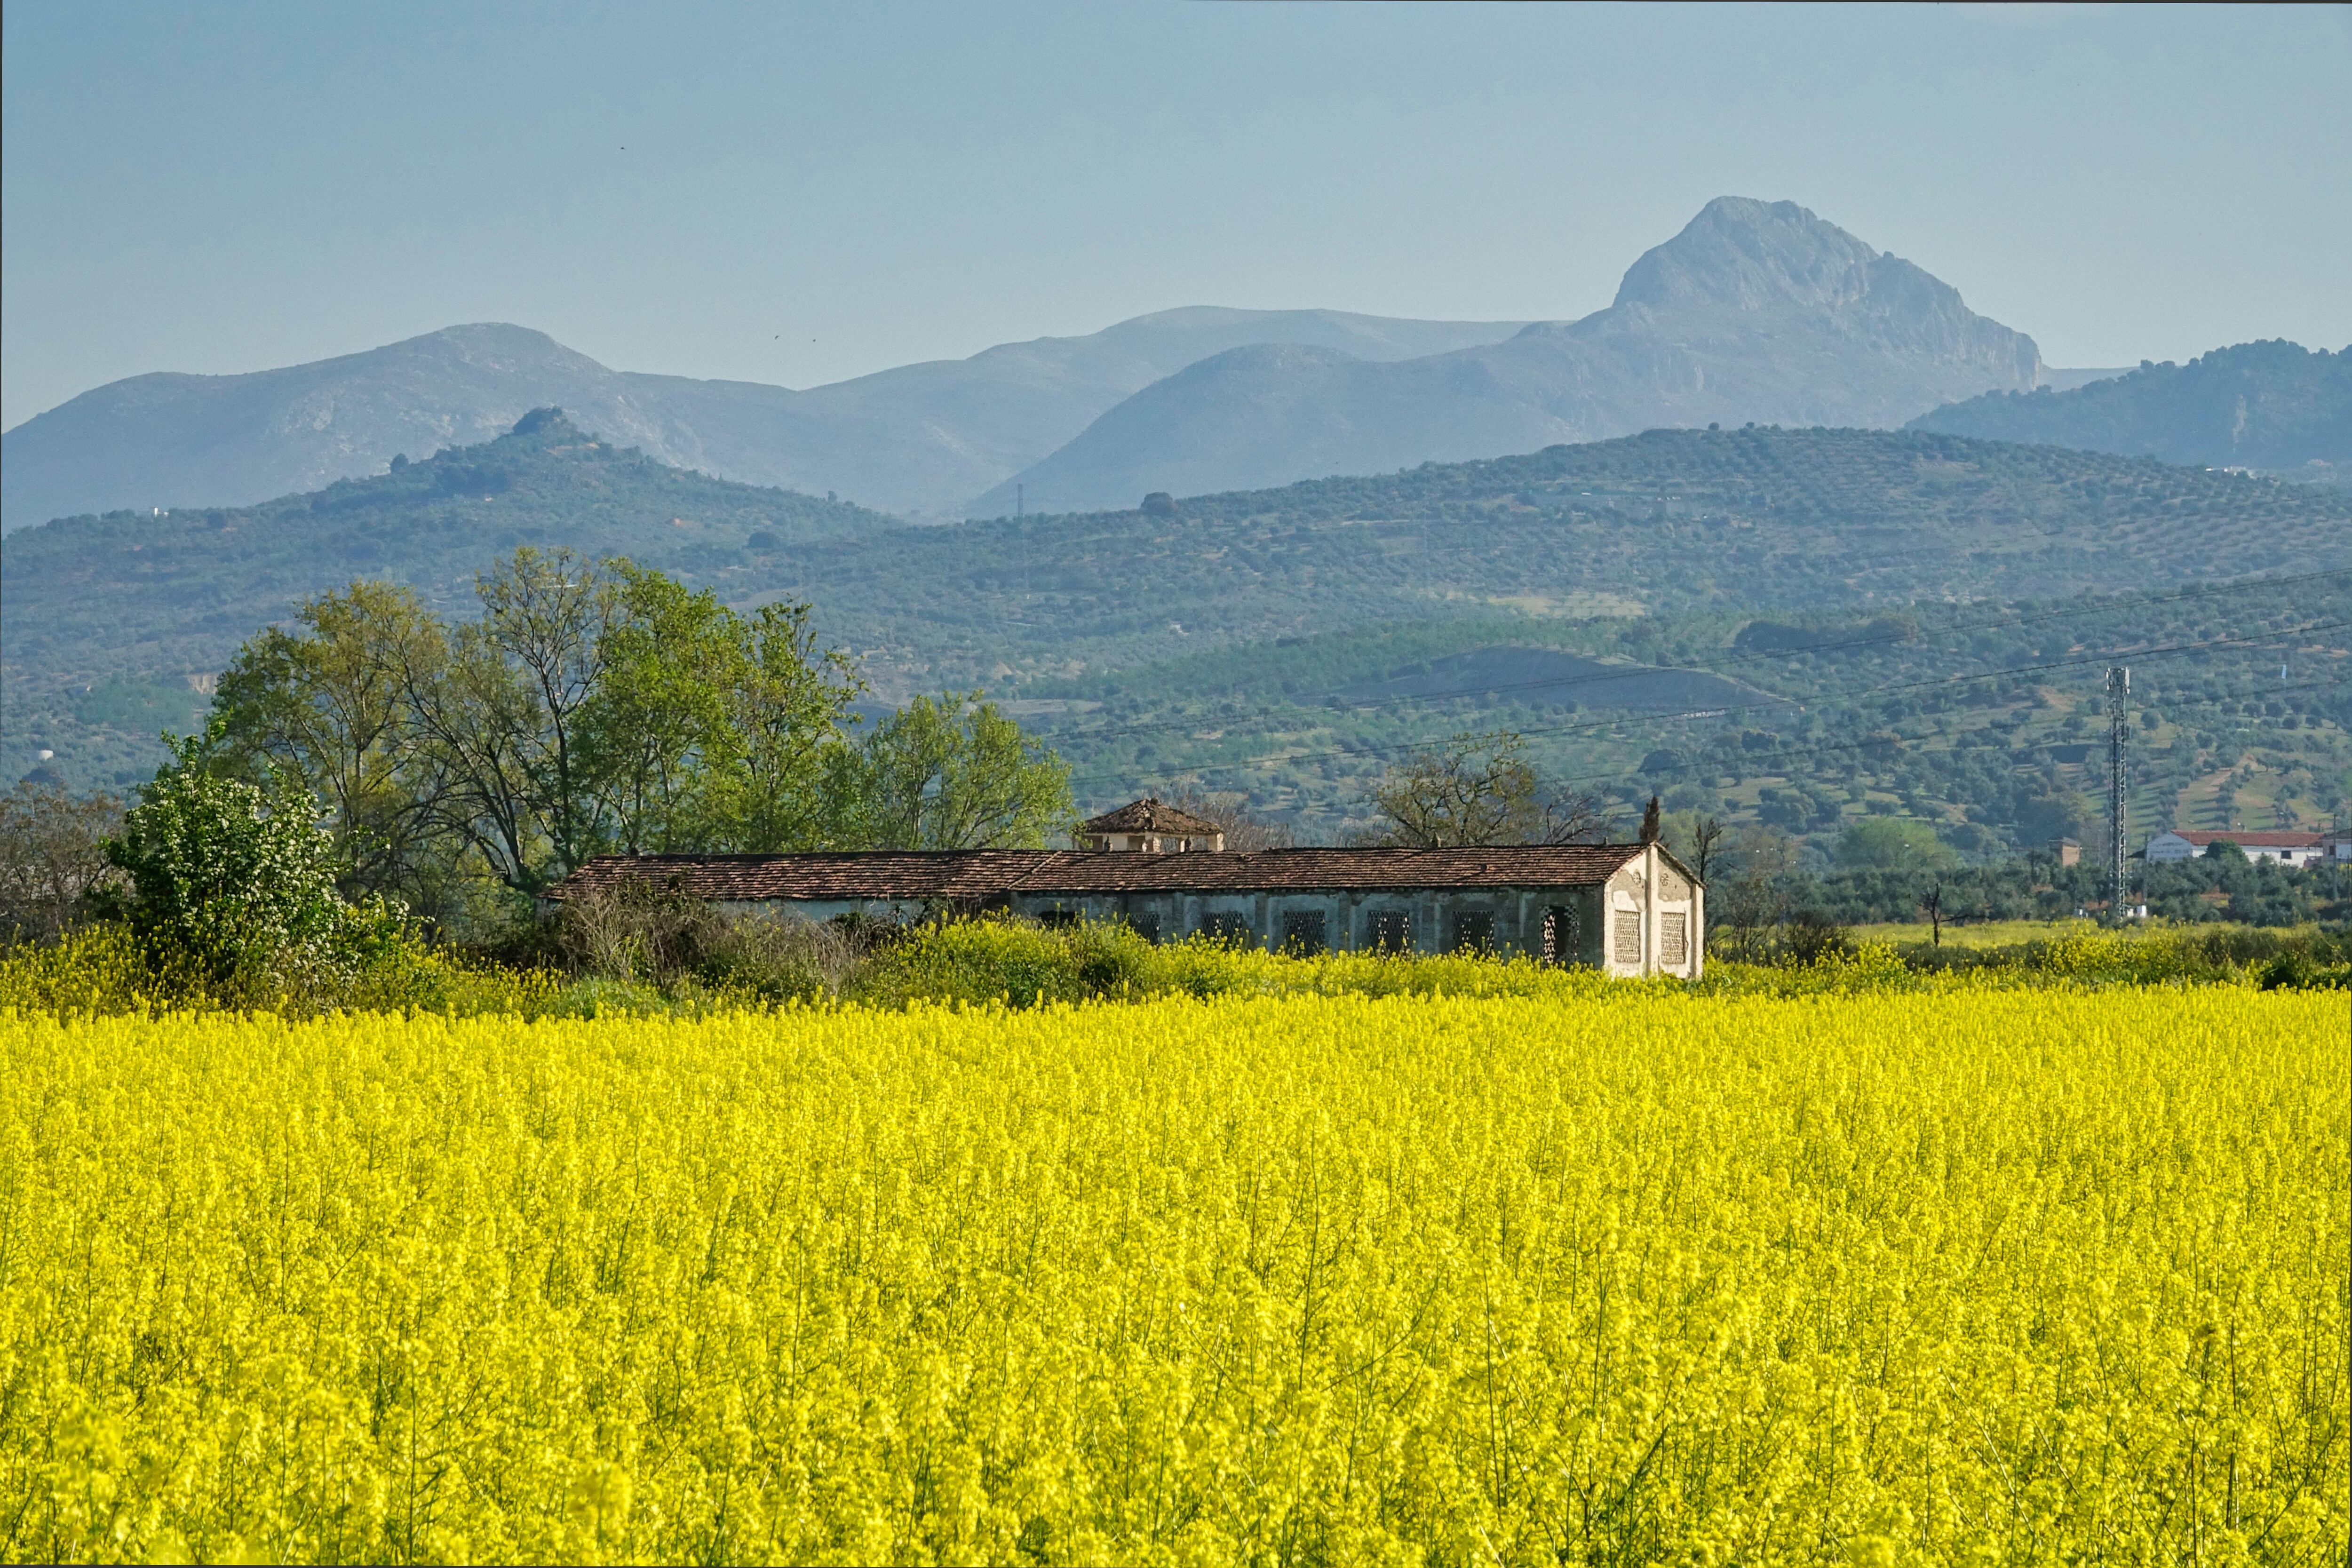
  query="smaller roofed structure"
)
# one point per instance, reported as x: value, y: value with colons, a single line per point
x: 1150, y: 826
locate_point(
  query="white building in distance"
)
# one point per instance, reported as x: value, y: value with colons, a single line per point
x: 2287, y: 849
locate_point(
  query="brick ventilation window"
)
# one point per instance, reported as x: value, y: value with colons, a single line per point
x: 1302, y: 932
x: 1628, y: 935
x: 1474, y: 932
x: 1559, y: 934
x: 1391, y: 931
x: 1145, y: 926
x: 1674, y: 937
x: 1233, y: 931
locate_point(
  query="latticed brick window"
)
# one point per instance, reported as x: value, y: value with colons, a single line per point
x: 1232, y: 930
x: 1627, y: 937
x: 1674, y: 937
x: 1391, y: 931
x: 1559, y: 934
x: 1302, y: 932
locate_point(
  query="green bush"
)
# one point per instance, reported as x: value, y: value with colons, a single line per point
x: 233, y: 885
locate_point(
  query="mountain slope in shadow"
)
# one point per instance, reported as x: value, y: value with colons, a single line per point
x: 1756, y: 313
x: 2274, y: 405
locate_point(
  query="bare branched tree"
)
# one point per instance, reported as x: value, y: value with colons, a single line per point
x: 52, y: 859
x: 1244, y: 829
x: 1699, y: 841
x: 1480, y: 789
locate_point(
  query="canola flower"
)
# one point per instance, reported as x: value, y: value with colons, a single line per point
x: 1972, y: 1277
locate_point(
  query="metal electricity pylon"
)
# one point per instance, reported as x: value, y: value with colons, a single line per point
x: 2118, y: 695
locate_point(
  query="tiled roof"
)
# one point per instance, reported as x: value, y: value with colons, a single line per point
x: 2265, y: 839
x: 951, y: 874
x: 1517, y: 865
x: 974, y: 874
x: 1147, y: 815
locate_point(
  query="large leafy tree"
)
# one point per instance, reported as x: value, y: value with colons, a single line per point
x: 324, y: 703
x: 951, y: 773
x: 710, y: 731
x: 654, y: 736
x: 787, y: 710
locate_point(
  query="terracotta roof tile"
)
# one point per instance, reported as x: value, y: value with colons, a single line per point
x: 1147, y: 815
x: 952, y: 875
x: 959, y: 876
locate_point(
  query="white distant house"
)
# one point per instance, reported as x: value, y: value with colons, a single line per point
x: 2286, y: 849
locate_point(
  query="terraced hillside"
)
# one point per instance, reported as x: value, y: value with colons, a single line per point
x: 113, y: 624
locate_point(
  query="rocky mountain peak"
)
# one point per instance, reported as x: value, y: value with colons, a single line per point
x: 1748, y: 255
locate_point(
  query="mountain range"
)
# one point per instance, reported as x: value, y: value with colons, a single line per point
x: 1755, y: 313
x: 2274, y: 405
x: 920, y: 440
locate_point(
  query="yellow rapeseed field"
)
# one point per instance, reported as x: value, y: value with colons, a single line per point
x: 2011, y: 1276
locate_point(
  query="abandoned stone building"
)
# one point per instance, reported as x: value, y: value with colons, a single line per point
x: 1626, y: 908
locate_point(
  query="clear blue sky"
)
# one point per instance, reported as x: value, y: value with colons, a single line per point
x: 798, y: 196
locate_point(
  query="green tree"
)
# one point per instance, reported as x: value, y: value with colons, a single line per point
x: 655, y: 735
x: 951, y: 773
x: 787, y: 710
x: 237, y: 879
x: 324, y: 703
x: 547, y: 614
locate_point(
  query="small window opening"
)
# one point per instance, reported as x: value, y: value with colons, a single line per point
x: 1232, y: 930
x: 1473, y: 932
x: 1559, y: 935
x: 1302, y: 932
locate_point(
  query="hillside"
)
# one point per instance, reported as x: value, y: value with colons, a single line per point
x: 1987, y: 719
x: 1666, y: 522
x: 109, y: 624
x: 2271, y: 406
x: 918, y: 438
x: 1762, y: 523
x: 1755, y: 313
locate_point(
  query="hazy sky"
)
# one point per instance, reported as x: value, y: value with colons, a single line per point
x: 774, y: 193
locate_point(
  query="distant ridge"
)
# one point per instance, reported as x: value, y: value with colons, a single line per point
x: 921, y: 439
x: 2272, y: 405
x: 1756, y: 313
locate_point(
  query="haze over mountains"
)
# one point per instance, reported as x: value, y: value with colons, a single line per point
x: 1755, y: 313
x: 919, y: 439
